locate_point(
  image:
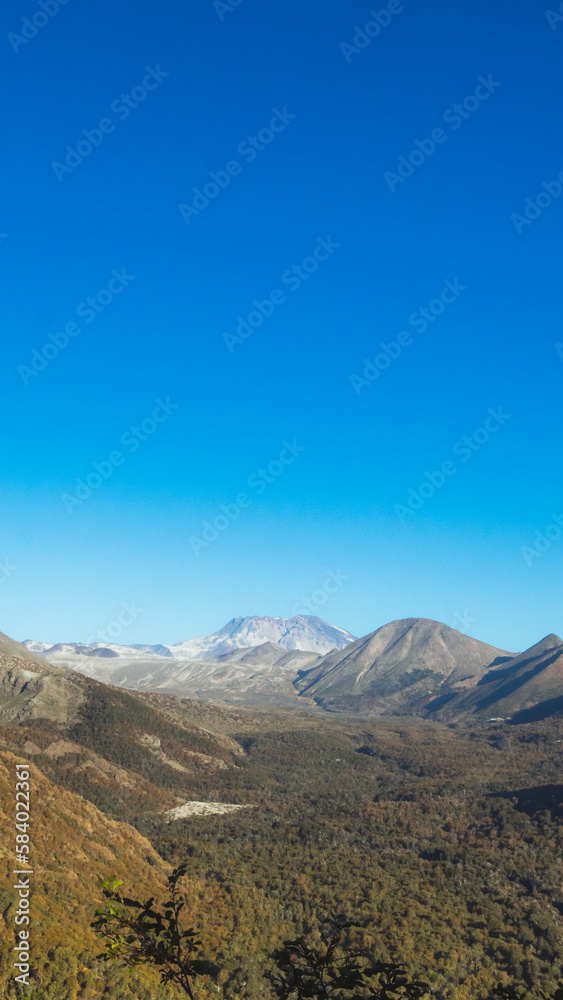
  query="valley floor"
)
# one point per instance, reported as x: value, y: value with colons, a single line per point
x: 444, y: 841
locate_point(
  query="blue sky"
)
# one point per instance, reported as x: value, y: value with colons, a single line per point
x: 161, y: 98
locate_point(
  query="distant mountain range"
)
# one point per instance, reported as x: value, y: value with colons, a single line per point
x: 415, y: 666
x: 109, y: 765
x: 305, y: 632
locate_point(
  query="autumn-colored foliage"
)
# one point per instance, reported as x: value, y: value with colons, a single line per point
x: 441, y: 844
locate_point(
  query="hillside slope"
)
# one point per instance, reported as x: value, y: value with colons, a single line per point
x: 98, y: 740
x: 11, y: 648
x: 31, y: 688
x: 247, y: 675
x: 446, y: 840
x: 526, y: 688
x: 399, y: 668
x: 72, y: 844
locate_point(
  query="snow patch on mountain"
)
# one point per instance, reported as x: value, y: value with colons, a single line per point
x: 303, y: 632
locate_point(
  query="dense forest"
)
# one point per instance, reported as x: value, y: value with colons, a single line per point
x: 444, y: 843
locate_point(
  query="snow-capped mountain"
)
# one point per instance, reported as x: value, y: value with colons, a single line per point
x: 414, y: 666
x: 36, y: 647
x: 304, y: 632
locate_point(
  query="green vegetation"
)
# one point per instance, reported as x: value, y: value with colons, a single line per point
x: 150, y: 936
x: 442, y: 845
x: 328, y: 969
x: 136, y: 933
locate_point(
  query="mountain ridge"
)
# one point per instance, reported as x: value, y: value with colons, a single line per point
x: 398, y: 665
x: 412, y: 667
x: 302, y: 632
x: 519, y: 688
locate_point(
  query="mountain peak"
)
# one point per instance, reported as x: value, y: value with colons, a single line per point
x: 410, y: 666
x: 550, y: 641
x: 304, y: 632
x: 399, y: 665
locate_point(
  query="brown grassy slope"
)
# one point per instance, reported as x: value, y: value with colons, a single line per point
x: 72, y: 843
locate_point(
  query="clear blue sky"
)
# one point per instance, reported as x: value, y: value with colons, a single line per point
x: 342, y: 115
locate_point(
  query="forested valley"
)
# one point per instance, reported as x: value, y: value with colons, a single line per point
x: 442, y: 842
